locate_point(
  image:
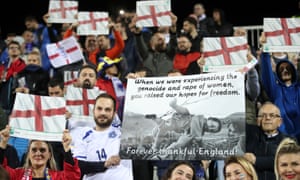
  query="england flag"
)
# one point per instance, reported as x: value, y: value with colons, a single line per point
x: 38, y: 117
x: 61, y: 11
x: 224, y: 53
x: 282, y: 34
x: 92, y: 23
x: 153, y: 13
x: 64, y: 52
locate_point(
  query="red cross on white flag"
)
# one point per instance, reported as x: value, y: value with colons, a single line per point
x: 70, y: 77
x: 61, y: 11
x: 64, y: 52
x: 80, y: 101
x: 153, y: 13
x: 282, y: 34
x: 92, y: 23
x: 38, y: 117
x: 225, y: 53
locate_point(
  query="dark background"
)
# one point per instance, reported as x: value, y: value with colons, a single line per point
x: 240, y: 13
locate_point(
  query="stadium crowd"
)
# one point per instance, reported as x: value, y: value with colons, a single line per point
x: 129, y: 51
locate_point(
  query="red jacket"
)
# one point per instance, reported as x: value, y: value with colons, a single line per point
x: 69, y: 173
x: 15, y: 67
x: 182, y: 61
x: 107, y: 86
x: 113, y: 52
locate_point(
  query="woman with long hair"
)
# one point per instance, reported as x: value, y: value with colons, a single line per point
x: 180, y: 169
x: 237, y: 167
x: 39, y: 161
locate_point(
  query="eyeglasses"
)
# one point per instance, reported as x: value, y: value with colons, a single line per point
x: 42, y: 150
x: 271, y: 116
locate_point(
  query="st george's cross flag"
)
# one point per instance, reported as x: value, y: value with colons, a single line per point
x: 92, y: 23
x: 64, y: 52
x: 70, y: 77
x: 61, y: 11
x: 153, y: 13
x: 80, y: 101
x: 168, y: 2
x: 38, y: 117
x: 282, y: 34
x: 224, y: 53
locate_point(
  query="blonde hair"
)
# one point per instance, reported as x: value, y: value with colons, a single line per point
x: 37, y: 53
x: 286, y: 146
x: 51, y: 164
x: 246, y: 165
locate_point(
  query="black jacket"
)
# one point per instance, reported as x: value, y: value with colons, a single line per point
x: 264, y: 149
x: 36, y: 79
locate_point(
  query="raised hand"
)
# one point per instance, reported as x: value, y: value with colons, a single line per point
x: 66, y: 140
x: 4, y: 135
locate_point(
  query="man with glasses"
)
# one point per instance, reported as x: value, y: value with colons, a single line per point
x: 262, y: 140
x: 8, y: 70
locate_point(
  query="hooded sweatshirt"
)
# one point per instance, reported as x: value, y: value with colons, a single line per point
x: 287, y: 98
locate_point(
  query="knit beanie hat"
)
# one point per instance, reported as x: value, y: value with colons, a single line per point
x: 104, y: 63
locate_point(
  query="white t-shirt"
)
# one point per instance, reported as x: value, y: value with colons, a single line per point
x: 99, y: 146
x: 76, y: 124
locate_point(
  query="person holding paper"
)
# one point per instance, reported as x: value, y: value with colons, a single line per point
x: 39, y: 163
x: 158, y: 57
x: 33, y: 79
x: 87, y: 77
x: 97, y: 148
x: 105, y: 48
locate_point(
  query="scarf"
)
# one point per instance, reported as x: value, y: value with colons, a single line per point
x: 28, y: 174
x: 11, y: 69
x: 120, y: 94
x: 118, y: 87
